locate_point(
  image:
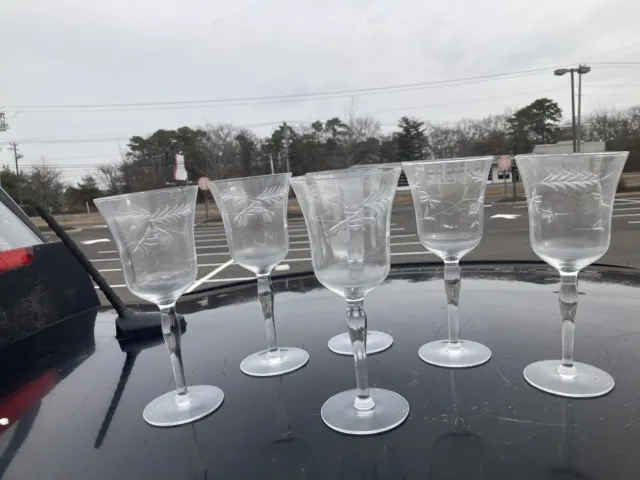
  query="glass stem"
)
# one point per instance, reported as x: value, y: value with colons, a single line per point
x: 568, y: 307
x: 357, y: 323
x: 171, y: 332
x: 452, y: 288
x: 265, y: 295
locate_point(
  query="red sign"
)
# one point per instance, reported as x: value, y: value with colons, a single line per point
x: 504, y: 162
x: 203, y: 183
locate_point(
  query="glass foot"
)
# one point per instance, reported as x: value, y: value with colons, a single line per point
x: 165, y: 412
x: 376, y: 342
x: 468, y: 354
x: 390, y: 411
x: 588, y: 381
x: 287, y: 360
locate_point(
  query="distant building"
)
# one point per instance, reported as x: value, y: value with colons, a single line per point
x: 566, y: 146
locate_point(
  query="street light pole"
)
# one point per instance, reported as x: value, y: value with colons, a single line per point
x: 573, y: 114
x: 576, y: 131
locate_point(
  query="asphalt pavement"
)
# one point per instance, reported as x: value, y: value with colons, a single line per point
x: 506, y: 237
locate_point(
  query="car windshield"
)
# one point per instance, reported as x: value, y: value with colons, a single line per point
x: 101, y: 99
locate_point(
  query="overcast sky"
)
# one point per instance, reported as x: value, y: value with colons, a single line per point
x: 73, y: 52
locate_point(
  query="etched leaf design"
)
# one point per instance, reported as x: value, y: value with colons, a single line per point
x: 565, y: 179
x: 263, y: 206
x: 160, y: 226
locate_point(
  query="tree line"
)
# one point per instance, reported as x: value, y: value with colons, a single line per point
x: 226, y: 151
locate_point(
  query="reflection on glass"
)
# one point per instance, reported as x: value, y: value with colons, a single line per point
x: 459, y: 453
x: 348, y: 214
x: 448, y: 196
x: 154, y: 234
x: 570, y: 199
x: 254, y: 212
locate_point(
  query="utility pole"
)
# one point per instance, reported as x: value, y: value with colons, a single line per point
x: 17, y: 156
x: 286, y: 149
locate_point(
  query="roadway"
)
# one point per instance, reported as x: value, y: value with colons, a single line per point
x: 506, y: 237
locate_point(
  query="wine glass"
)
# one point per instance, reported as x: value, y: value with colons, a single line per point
x: 254, y: 213
x: 376, y: 341
x: 570, y: 200
x: 348, y: 215
x: 154, y: 236
x: 448, y: 196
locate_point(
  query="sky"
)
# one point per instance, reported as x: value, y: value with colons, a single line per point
x: 56, y: 54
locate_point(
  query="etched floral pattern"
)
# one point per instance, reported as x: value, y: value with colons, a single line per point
x: 264, y: 206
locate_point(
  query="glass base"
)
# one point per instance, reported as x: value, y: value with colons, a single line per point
x: 390, y: 411
x: 468, y: 354
x: 261, y: 365
x: 376, y: 342
x: 165, y: 412
x: 588, y: 381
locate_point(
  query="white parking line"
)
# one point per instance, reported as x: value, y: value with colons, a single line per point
x: 401, y: 254
x: 627, y: 215
x: 110, y: 270
x: 107, y: 251
x: 211, y: 254
x: 210, y: 235
x: 615, y: 209
x: 105, y: 260
x: 635, y: 221
x: 210, y: 246
x: 112, y: 286
x: 405, y: 243
x: 202, y: 265
x: 207, y: 277
x: 97, y: 240
x: 239, y: 279
x: 406, y: 235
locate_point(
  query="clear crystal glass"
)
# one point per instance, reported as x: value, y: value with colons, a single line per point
x: 154, y: 236
x: 570, y: 199
x: 254, y: 213
x: 448, y: 196
x: 376, y: 341
x: 348, y: 215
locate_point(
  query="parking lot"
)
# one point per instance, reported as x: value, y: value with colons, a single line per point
x: 506, y: 237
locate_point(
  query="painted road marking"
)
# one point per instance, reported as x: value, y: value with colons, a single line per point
x: 210, y: 246
x: 508, y: 216
x: 110, y: 270
x: 107, y: 251
x: 282, y: 268
x: 97, y: 240
x: 207, y: 277
x: 239, y: 279
x: 627, y: 215
x: 112, y: 286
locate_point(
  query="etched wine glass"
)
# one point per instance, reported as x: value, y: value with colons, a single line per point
x: 154, y: 235
x: 376, y: 341
x: 348, y: 215
x: 448, y: 196
x: 570, y: 200
x: 254, y: 213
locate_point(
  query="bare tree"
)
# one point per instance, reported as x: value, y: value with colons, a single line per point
x: 44, y: 186
x: 110, y: 176
x: 360, y: 131
x: 221, y: 150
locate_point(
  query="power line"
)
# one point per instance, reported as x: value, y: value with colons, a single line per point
x: 361, y: 91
